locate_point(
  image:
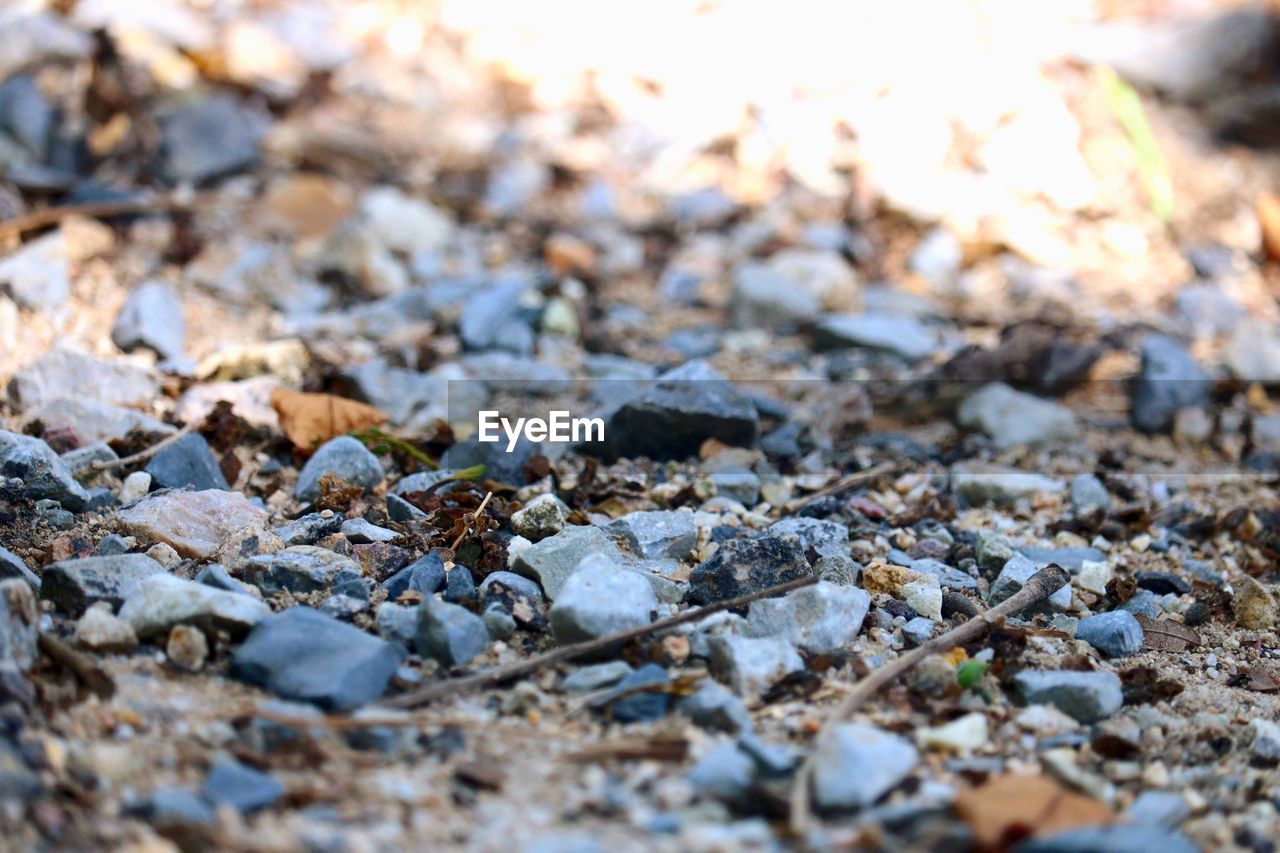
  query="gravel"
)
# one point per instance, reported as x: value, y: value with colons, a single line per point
x: 600, y: 598
x: 1084, y: 696
x: 73, y: 585
x: 857, y: 764
x: 1115, y: 634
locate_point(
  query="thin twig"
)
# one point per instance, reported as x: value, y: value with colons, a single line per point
x: 499, y: 674
x: 88, y: 672
x: 17, y: 225
x: 467, y: 528
x: 144, y: 455
x: 1040, y: 586
x: 844, y: 484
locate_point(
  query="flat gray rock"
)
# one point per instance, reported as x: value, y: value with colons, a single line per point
x: 72, y: 585
x: 43, y: 473
x: 299, y: 568
x: 162, y: 601
x: 857, y: 764
x: 1085, y: 696
x: 1012, y: 418
x: 824, y: 617
x: 601, y: 598
x: 654, y: 534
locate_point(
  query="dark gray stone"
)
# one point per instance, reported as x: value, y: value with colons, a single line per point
x: 449, y: 634
x: 1143, y: 602
x: 245, y: 789
x: 741, y: 566
x: 344, y: 457
x: 905, y: 337
x: 1162, y: 583
x: 425, y: 575
x: 459, y: 586
x: 302, y: 654
x: 72, y: 585
x: 1118, y: 838
x: 1169, y: 379
x: 399, y: 509
x: 713, y: 706
x: 625, y: 703
x: 43, y: 473
x: 1085, y: 696
x: 217, y: 576
x: 12, y: 566
x: 111, y: 544
x: 188, y: 462
x: 310, y: 528
x: 1115, y: 634
x: 493, y: 318
x: 299, y: 568
x: 208, y: 139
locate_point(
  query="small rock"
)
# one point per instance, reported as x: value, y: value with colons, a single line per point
x: 44, y: 475
x: 310, y: 528
x: 12, y: 566
x: 216, y: 576
x: 600, y: 598
x: 360, y: 532
x: 1115, y: 634
x: 174, y: 810
x: 751, y: 664
x: 857, y: 764
x: 962, y: 735
x: 1119, y: 838
x: 1012, y: 418
x: 1015, y: 575
x: 425, y: 575
x: 657, y: 534
x: 737, y: 484
x: 135, y: 486
x: 498, y: 622
x: 208, y: 139
x: 905, y: 337
x: 838, y: 569
x: 19, y: 624
x: 345, y: 458
x: 542, y: 517
x: 397, y: 623
x: 981, y: 482
x: 72, y: 585
x: 1094, y: 576
x: 1253, y: 605
x: 714, y: 707
x: 1087, y: 493
x: 187, y: 648
x: 245, y: 789
x: 64, y: 373
x: 1168, y: 380
x: 825, y: 537
x: 163, y: 601
x: 151, y: 317
x: 992, y: 551
x: 188, y: 462
x: 627, y: 704
x: 300, y: 569
x: 1144, y: 602
x: 98, y: 630
x: 725, y: 773
x: 449, y: 634
x: 199, y: 524
x: 918, y: 631
x: 742, y: 566
x: 1085, y: 696
x: 302, y: 654
x: 820, y: 618
x: 164, y: 555
x: 399, y: 509
x: 498, y: 464
x: 1163, y: 809
x: 551, y: 561
x: 459, y: 586
x: 1264, y: 749
x: 924, y: 597
x: 1162, y: 583
x: 592, y: 678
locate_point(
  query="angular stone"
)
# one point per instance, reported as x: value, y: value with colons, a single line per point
x: 19, y: 624
x: 982, y: 482
x: 449, y: 634
x: 98, y: 630
x: 597, y: 676
x: 918, y: 631
x: 1264, y: 748
x: 924, y: 596
x: 751, y: 664
x: 425, y: 575
x: 302, y: 654
x: 1115, y: 634
x: 300, y: 568
x: 712, y: 706
x: 72, y: 585
x: 1084, y: 696
x: 741, y: 566
x: 827, y: 538
x: 725, y: 773
x: 95, y: 421
x: 208, y: 139
x: 905, y: 337
x: 459, y: 586
x: 1119, y: 838
x: 64, y: 373
x: 162, y: 601
x: 399, y: 509
x: 310, y: 528
x: 397, y: 623
x: 188, y: 462
x: 857, y: 764
x: 820, y: 618
x: 1013, y: 418
x: 542, y: 517
x: 12, y: 566
x: 361, y: 532
x: 655, y: 534
x: 626, y: 703
x: 838, y: 569
x: 1168, y: 380
x: 1014, y: 577
x: 1253, y: 605
x: 199, y: 524
x: 44, y: 475
x: 1087, y: 493
x: 243, y: 788
x: 345, y: 458
x: 600, y: 598
x: 551, y: 561
x: 499, y: 465
x: 151, y: 317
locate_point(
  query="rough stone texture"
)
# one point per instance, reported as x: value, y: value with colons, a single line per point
x: 741, y: 566
x: 905, y: 337
x: 1084, y: 696
x: 448, y: 633
x: 982, y: 482
x: 551, y: 561
x: 19, y: 624
x: 1012, y: 418
x: 302, y: 654
x: 1014, y: 576
x: 821, y: 618
x: 1253, y: 605
x: 857, y: 764
x: 751, y: 664
x: 95, y: 421
x: 657, y: 534
x: 162, y: 601
x: 64, y: 373
x: 72, y: 585
x: 197, y: 524
x: 188, y: 462
x: 345, y: 458
x: 208, y: 139
x: 600, y: 598
x: 1115, y: 634
x: 12, y: 566
x: 425, y: 575
x: 300, y: 568
x: 43, y: 473
x: 1071, y: 559
x: 828, y: 538
x: 541, y: 517
x: 100, y: 631
x: 243, y: 788
x: 151, y: 317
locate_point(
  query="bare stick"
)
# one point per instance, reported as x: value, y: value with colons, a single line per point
x: 467, y: 529
x: 499, y: 674
x: 98, y: 210
x: 1041, y: 585
x: 844, y: 484
x: 144, y: 455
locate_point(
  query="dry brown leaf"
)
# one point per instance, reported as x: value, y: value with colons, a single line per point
x: 1166, y: 635
x: 312, y: 419
x: 1262, y: 678
x: 1267, y: 208
x: 1008, y: 808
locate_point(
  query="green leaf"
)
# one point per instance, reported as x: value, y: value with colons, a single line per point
x: 1128, y: 110
x: 971, y: 672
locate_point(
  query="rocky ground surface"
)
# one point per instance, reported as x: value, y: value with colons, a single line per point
x: 245, y: 518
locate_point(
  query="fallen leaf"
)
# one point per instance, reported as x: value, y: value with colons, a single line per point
x: 1008, y: 808
x: 312, y: 419
x: 1166, y: 635
x: 1267, y: 208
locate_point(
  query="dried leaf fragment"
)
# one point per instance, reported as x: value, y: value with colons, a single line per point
x: 1166, y: 635
x: 1267, y: 208
x: 312, y: 419
x: 1006, y: 809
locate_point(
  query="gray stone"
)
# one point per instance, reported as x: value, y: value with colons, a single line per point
x: 19, y: 624
x: 1264, y: 748
x: 344, y: 457
x: 1013, y: 418
x: 1115, y: 634
x: 499, y: 465
x: 299, y: 568
x: 310, y: 528
x: 12, y: 566
x: 449, y: 634
x: 596, y: 676
x: 918, y: 631
x: 100, y: 631
x: 1165, y: 809
x: 459, y: 586
x: 162, y: 601
x: 1087, y: 493
x: 741, y: 566
x: 765, y: 298
x: 399, y: 509
x: 551, y: 561
x: 838, y: 569
x: 712, y: 706
x: 397, y: 623
x: 498, y: 622
x: 626, y: 703
x: 725, y: 773
x: 494, y: 318
x: 948, y: 578
x: 992, y: 551
x: 243, y: 788
x: 905, y: 337
x: 1143, y: 602
x: 72, y: 585
x: 1071, y: 559
x: 36, y: 273
x: 302, y: 654
x: 422, y: 480
x: 216, y: 575
x: 826, y: 537
x: 821, y: 618
x: 982, y: 482
x: 360, y: 532
x: 1207, y: 311
x: 737, y: 484
x: 43, y: 473
x: 343, y: 606
x: 600, y: 598
x: 151, y: 317
x: 751, y: 664
x: 857, y: 764
x: 81, y: 458
x: 188, y: 462
x: 1252, y: 354
x: 95, y: 421
x: 1085, y: 696
x: 208, y: 139
x: 174, y: 810
x: 1014, y: 577
x: 542, y: 517
x: 1118, y: 838
x: 64, y: 373
x: 1168, y: 380
x: 657, y: 534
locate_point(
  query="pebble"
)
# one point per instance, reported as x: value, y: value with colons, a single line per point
x: 245, y: 789
x: 1264, y: 749
x: 737, y: 484
x: 397, y: 623
x: 1143, y: 602
x: 551, y: 561
x: 495, y: 318
x: 63, y: 373
x: 73, y: 585
x: 399, y: 509
x: 1085, y: 696
x: 750, y: 664
x: 304, y: 655
x: 713, y: 707
x: 459, y: 586
x: 857, y: 764
x: 515, y: 594
x: 19, y: 625
x: 1252, y: 353
x: 1094, y: 576
x: 198, y: 524
x: 310, y: 528
x: 1118, y: 838
x: 627, y: 704
x: 1169, y: 379
x: 742, y: 566
x: 187, y: 648
x: 982, y: 482
x: 598, y: 599
x: 1015, y: 575
x: 918, y: 631
x: 100, y: 631
x: 725, y: 773
x: 924, y: 597
x: 208, y: 139
x: 425, y: 575
x: 448, y: 633
x: 163, y: 601
x: 838, y: 569
x: 151, y: 317
x: 1013, y: 418
x: 43, y: 473
x: 962, y: 735
x: 1115, y: 634
x: 595, y: 677
x: 1164, y: 809
x: 657, y: 534
x: 1162, y: 583
x: 361, y: 532
x: 825, y: 537
x: 1253, y: 605
x: 820, y: 618
x: 174, y: 810
x: 343, y: 457
x: 36, y: 273
x: 135, y: 486
x: 905, y: 337
x: 1087, y: 493
x: 299, y: 569
x: 542, y: 517
x: 215, y: 575
x: 12, y: 566
x: 498, y: 622
x: 94, y: 421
